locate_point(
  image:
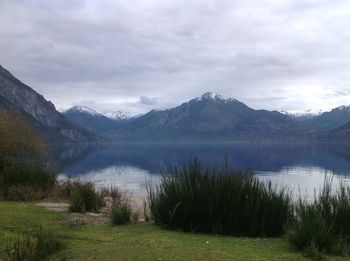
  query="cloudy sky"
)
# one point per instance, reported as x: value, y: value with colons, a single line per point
x: 137, y: 55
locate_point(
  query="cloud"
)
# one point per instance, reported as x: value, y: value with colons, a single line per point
x: 115, y: 52
x: 148, y: 100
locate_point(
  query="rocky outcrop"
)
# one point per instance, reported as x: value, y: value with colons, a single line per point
x: 20, y: 98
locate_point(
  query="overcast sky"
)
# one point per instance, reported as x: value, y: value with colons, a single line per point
x: 138, y: 55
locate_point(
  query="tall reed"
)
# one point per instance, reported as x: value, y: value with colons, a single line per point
x: 219, y: 201
x: 324, y: 224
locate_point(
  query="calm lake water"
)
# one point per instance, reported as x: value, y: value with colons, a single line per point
x: 302, y: 167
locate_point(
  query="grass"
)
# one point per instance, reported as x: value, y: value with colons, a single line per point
x: 137, y: 242
x: 33, y: 245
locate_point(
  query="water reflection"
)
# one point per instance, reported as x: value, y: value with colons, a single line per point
x: 301, y: 166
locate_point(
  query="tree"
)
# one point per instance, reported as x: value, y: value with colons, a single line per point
x: 18, y: 138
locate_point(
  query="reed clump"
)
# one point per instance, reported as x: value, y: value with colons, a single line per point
x: 85, y: 198
x: 219, y: 201
x: 323, y: 225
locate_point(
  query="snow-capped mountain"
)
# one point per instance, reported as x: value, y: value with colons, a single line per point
x: 214, y: 97
x: 310, y: 113
x: 118, y: 115
x: 83, y: 109
x: 210, y: 117
x: 323, y: 120
x: 95, y: 122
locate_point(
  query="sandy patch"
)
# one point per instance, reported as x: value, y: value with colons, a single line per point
x: 93, y: 218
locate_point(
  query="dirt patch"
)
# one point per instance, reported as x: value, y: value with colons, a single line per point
x: 54, y: 206
x: 76, y: 219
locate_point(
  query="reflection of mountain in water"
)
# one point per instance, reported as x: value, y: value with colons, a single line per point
x: 58, y: 157
x: 254, y: 156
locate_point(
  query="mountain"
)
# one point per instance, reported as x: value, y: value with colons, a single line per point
x: 327, y: 121
x: 118, y: 116
x: 93, y: 121
x: 341, y: 133
x: 211, y: 117
x: 17, y: 97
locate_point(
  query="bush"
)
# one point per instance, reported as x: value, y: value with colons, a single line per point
x: 324, y: 224
x: 62, y: 189
x: 121, y: 213
x: 113, y: 192
x: 20, y: 182
x: 219, y: 201
x: 85, y: 198
x: 38, y: 245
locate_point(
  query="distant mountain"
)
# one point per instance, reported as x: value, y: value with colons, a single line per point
x: 308, y: 114
x: 118, y: 116
x: 93, y: 121
x: 17, y: 97
x: 342, y: 132
x: 327, y: 121
x: 211, y: 117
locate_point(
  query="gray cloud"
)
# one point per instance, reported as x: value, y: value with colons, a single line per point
x: 115, y: 55
x: 148, y: 100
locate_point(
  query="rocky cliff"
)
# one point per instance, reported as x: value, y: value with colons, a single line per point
x: 17, y: 97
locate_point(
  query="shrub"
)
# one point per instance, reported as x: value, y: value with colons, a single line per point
x: 85, y: 198
x: 21, y: 182
x: 219, y: 201
x: 63, y: 189
x: 113, y: 192
x: 324, y: 224
x: 121, y: 213
x: 38, y: 245
x: 19, y: 138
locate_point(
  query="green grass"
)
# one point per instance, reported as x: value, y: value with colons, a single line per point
x: 137, y: 242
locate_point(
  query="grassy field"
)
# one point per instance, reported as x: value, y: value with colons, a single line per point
x: 136, y: 242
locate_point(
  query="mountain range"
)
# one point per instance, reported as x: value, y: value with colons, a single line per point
x: 208, y: 117
x: 212, y: 117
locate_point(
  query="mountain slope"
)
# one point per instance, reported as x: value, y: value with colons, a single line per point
x: 91, y: 120
x: 20, y: 98
x: 211, y: 117
x: 342, y: 132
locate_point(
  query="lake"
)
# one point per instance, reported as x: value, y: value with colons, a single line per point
x: 302, y: 167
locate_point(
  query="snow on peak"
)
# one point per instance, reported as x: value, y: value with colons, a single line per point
x: 215, y: 97
x: 118, y: 115
x: 84, y: 109
x: 343, y: 108
x: 310, y: 113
